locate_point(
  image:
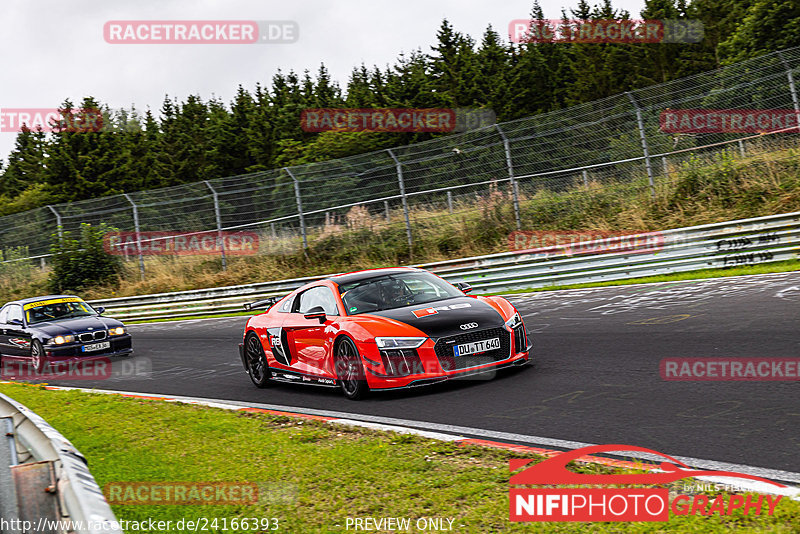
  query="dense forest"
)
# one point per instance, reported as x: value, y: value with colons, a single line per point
x: 199, y: 139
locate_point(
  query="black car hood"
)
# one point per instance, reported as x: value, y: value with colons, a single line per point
x: 445, y: 317
x: 75, y: 325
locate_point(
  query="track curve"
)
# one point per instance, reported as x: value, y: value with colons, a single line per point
x: 596, y: 378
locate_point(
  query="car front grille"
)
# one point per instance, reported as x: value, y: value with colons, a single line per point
x: 399, y: 363
x: 88, y: 337
x: 448, y: 361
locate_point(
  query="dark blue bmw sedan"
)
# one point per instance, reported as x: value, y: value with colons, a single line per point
x: 58, y: 327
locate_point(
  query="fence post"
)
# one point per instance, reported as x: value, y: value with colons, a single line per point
x: 59, y: 228
x: 386, y: 209
x: 299, y: 207
x: 402, y: 185
x: 664, y: 163
x: 219, y: 225
x: 509, y: 163
x: 450, y: 201
x: 138, y: 233
x: 645, y: 148
x: 792, y: 87
x: 585, y: 178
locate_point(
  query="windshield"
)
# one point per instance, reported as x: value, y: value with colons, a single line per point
x: 395, y: 291
x: 57, y: 309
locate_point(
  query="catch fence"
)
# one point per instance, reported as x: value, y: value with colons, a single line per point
x: 622, y: 143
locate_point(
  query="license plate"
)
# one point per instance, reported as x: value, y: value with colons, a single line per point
x: 96, y: 346
x: 476, y: 347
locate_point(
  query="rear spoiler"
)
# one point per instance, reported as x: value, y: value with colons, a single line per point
x: 264, y: 303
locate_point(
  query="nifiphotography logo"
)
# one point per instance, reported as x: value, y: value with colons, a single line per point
x: 620, y: 503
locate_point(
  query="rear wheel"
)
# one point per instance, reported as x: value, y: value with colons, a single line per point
x: 350, y: 370
x: 257, y: 366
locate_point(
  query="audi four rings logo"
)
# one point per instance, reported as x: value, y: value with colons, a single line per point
x: 469, y: 326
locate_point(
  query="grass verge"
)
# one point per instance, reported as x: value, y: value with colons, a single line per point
x: 316, y: 474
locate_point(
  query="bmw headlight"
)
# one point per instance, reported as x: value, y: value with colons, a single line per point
x: 118, y: 331
x: 514, y: 322
x: 399, y: 342
x: 60, y: 340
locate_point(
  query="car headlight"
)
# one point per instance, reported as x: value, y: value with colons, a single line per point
x: 514, y: 322
x: 60, y: 340
x: 399, y: 342
x: 118, y: 331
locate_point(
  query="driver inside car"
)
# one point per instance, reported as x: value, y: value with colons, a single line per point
x: 395, y: 292
x: 59, y: 310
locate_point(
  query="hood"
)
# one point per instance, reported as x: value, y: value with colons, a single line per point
x: 75, y: 325
x: 445, y: 317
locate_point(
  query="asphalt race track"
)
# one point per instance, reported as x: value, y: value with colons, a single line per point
x: 596, y: 377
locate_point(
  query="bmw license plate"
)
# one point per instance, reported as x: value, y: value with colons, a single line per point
x: 96, y: 346
x: 476, y: 347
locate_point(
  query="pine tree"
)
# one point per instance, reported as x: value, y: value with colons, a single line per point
x: 452, y: 68
x: 769, y: 25
x: 491, y: 73
x: 26, y: 165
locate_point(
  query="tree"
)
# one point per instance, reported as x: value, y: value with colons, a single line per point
x: 78, y: 160
x: 26, y: 163
x: 769, y: 25
x: 491, y: 80
x: 80, y: 262
x: 452, y: 68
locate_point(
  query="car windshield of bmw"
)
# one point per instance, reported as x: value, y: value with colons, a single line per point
x: 56, y: 310
x: 394, y: 291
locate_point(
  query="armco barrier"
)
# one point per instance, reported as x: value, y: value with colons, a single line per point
x: 742, y: 242
x: 45, y: 480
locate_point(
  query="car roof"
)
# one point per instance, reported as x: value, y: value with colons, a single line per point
x: 45, y: 297
x: 371, y: 273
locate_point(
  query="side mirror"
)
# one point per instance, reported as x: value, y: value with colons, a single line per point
x: 99, y: 310
x: 464, y: 287
x: 15, y: 322
x: 317, y: 312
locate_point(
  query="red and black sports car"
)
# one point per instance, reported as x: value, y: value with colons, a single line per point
x: 381, y: 329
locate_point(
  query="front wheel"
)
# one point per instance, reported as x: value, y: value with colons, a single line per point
x: 350, y: 370
x: 257, y: 366
x: 37, y: 355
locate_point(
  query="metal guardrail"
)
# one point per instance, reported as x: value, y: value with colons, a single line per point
x: 733, y: 243
x: 48, y: 483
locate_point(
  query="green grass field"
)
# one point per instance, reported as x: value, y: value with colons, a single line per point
x: 314, y: 476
